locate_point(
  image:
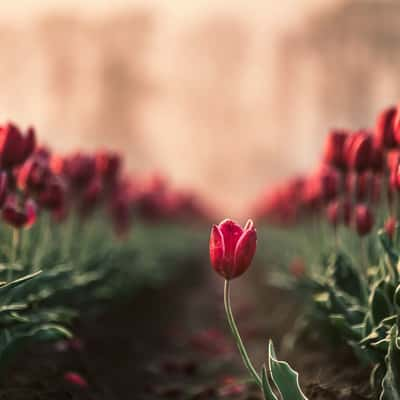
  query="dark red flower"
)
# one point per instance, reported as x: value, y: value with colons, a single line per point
x: 18, y: 213
x: 396, y: 124
x: 358, y: 151
x: 33, y: 175
x: 390, y: 226
x: 108, y: 165
x: 52, y: 196
x: 384, y: 132
x: 359, y: 185
x: 363, y: 219
x: 15, y: 148
x: 75, y: 379
x: 3, y: 187
x: 339, y: 211
x: 232, y: 248
x: 334, y: 148
x: 79, y: 169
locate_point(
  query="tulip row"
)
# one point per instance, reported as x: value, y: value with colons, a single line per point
x: 59, y: 253
x: 344, y: 241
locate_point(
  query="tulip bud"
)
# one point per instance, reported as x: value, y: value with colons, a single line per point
x: 384, y: 132
x: 52, y: 196
x: 232, y: 248
x: 359, y: 185
x: 363, y: 219
x: 339, y: 211
x: 396, y: 124
x: 390, y: 226
x: 358, y: 151
x: 108, y: 165
x: 3, y: 187
x: 33, y: 175
x: 19, y: 214
x: 334, y: 149
x: 377, y: 159
x: 14, y: 147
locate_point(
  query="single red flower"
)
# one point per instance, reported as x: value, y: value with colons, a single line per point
x: 358, y: 151
x: 19, y: 214
x: 232, y: 248
x: 390, y: 226
x: 384, y: 129
x: 15, y: 148
x: 363, y: 219
x: 75, y: 379
x: 334, y: 148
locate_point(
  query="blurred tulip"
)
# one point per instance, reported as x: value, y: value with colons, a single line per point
x: 384, y: 132
x: 339, y: 211
x: 15, y: 148
x: 52, y: 196
x: 396, y: 124
x: 33, y: 175
x: 232, y: 248
x: 334, y: 148
x: 79, y: 169
x: 75, y: 379
x: 359, y: 185
x: 108, y: 165
x: 19, y: 213
x: 358, y: 151
x: 363, y: 219
x: 3, y: 187
x: 390, y: 226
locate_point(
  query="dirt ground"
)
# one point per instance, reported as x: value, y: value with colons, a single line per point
x: 174, y: 343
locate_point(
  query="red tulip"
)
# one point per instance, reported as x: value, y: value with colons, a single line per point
x: 358, y: 151
x: 33, y: 175
x: 384, y: 132
x: 232, y: 248
x: 3, y: 187
x: 14, y: 147
x: 339, y: 211
x: 52, y: 196
x: 19, y: 214
x: 334, y: 148
x: 390, y: 226
x: 363, y: 219
x: 75, y: 379
x: 359, y: 185
x: 108, y: 165
x: 79, y: 169
x: 396, y: 124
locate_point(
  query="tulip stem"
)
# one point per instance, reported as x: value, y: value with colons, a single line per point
x: 14, y: 252
x: 236, y: 335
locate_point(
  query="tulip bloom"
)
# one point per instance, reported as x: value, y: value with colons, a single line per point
x: 232, y: 248
x: 358, y: 151
x: 363, y: 219
x: 334, y: 148
x: 14, y: 147
x: 384, y: 129
x: 19, y: 215
x: 390, y: 226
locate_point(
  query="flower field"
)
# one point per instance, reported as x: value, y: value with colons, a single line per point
x: 107, y: 291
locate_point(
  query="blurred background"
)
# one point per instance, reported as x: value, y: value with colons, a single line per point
x: 223, y: 96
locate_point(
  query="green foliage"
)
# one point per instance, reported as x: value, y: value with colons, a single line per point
x: 285, y: 379
x: 354, y: 291
x: 57, y: 270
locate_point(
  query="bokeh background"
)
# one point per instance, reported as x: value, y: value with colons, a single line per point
x: 223, y: 96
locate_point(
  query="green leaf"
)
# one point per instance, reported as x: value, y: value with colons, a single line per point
x: 345, y: 276
x: 379, y: 304
x: 267, y: 391
x: 391, y: 381
x: 285, y: 378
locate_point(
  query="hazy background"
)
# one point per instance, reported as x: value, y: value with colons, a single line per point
x: 223, y: 96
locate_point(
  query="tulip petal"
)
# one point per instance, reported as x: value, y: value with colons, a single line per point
x: 231, y: 233
x: 244, y: 252
x: 217, y: 250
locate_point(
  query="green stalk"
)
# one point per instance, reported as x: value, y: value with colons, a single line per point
x: 16, y: 235
x: 236, y: 335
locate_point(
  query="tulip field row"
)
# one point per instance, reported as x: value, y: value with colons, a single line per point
x: 78, y: 233
x: 333, y: 236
